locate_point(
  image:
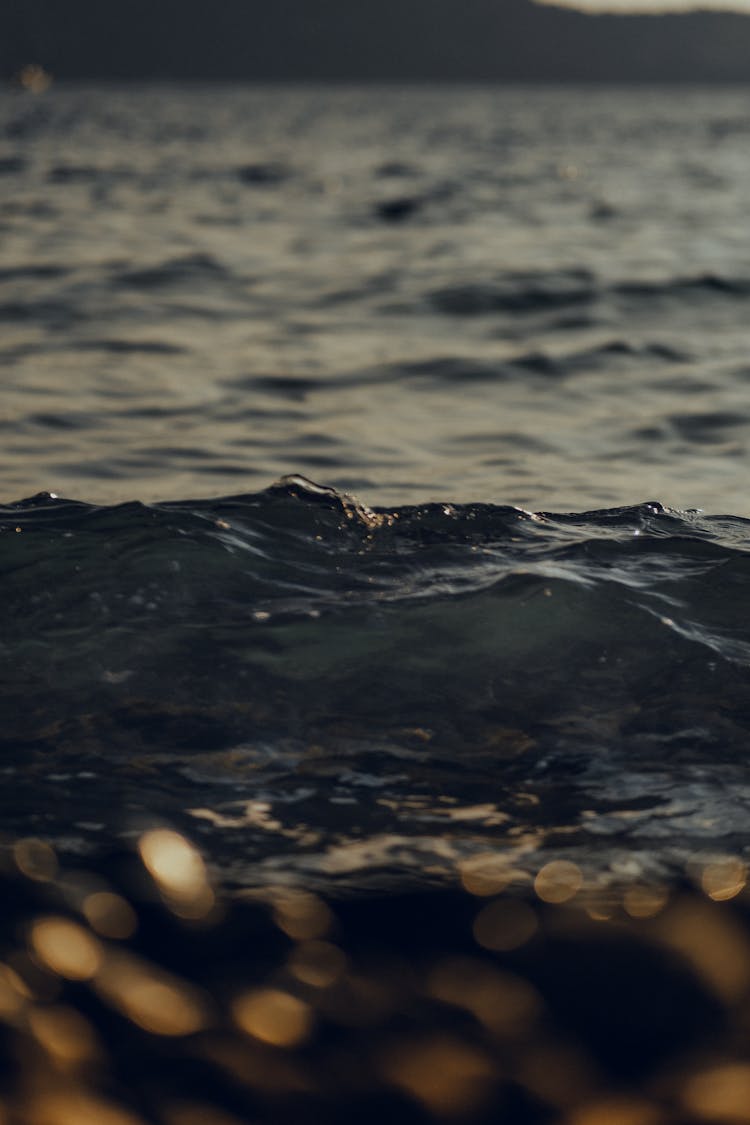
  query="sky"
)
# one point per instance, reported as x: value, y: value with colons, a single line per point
x: 653, y: 7
x: 396, y: 40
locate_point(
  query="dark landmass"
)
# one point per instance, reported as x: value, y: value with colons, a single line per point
x: 392, y: 40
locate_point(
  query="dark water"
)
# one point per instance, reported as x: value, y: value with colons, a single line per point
x: 329, y: 694
x: 462, y: 759
x: 469, y: 781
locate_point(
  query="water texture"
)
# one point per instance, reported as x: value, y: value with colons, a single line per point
x: 470, y: 309
x: 525, y: 296
x: 337, y: 694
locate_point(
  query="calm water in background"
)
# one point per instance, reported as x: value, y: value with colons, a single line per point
x: 528, y: 296
x: 455, y: 300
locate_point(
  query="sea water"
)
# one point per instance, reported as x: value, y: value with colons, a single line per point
x: 374, y: 476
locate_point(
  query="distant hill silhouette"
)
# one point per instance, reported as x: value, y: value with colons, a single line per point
x: 474, y: 40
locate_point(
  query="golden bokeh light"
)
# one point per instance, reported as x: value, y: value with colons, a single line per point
x: 485, y: 874
x: 163, y: 1008
x: 600, y: 910
x: 504, y: 925
x: 74, y: 1107
x: 172, y: 861
x: 110, y: 915
x: 36, y: 978
x: 317, y: 963
x: 179, y: 871
x: 712, y: 940
x: 357, y: 1000
x: 153, y: 999
x: 720, y: 1093
x: 724, y: 878
x: 504, y: 1003
x: 616, y: 1111
x: 301, y: 915
x: 65, y: 948
x: 65, y: 1034
x: 197, y: 1113
x: 448, y: 1076
x: 34, y: 78
x: 558, y: 1073
x: 457, y: 1031
x: 35, y: 859
x: 273, y: 1016
x: 644, y: 901
x: 14, y: 993
x: 251, y: 1064
x: 558, y: 881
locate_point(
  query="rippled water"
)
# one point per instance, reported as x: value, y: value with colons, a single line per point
x: 328, y: 692
x: 463, y: 306
x: 517, y: 295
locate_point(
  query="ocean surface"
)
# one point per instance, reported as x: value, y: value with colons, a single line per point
x: 373, y: 483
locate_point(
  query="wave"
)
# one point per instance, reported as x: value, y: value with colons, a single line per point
x: 439, y: 614
x: 547, y: 290
x: 440, y: 370
x: 192, y: 268
x: 263, y: 175
x: 349, y: 692
x: 517, y: 292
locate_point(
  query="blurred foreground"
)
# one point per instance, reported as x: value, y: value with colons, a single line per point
x: 132, y: 993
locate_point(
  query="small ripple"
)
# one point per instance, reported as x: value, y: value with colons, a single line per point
x: 395, y: 169
x: 59, y: 312
x: 460, y: 369
x: 11, y: 165
x: 39, y: 272
x: 500, y: 438
x: 398, y: 209
x: 680, y: 286
x: 703, y: 427
x: 222, y: 469
x: 263, y: 175
x: 150, y: 411
x: 452, y: 369
x: 294, y: 387
x: 191, y: 267
x: 72, y: 420
x: 324, y: 461
x: 117, y: 347
x: 72, y: 174
x: 194, y: 453
x: 523, y: 292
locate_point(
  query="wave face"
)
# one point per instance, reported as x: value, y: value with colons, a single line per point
x: 323, y: 690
